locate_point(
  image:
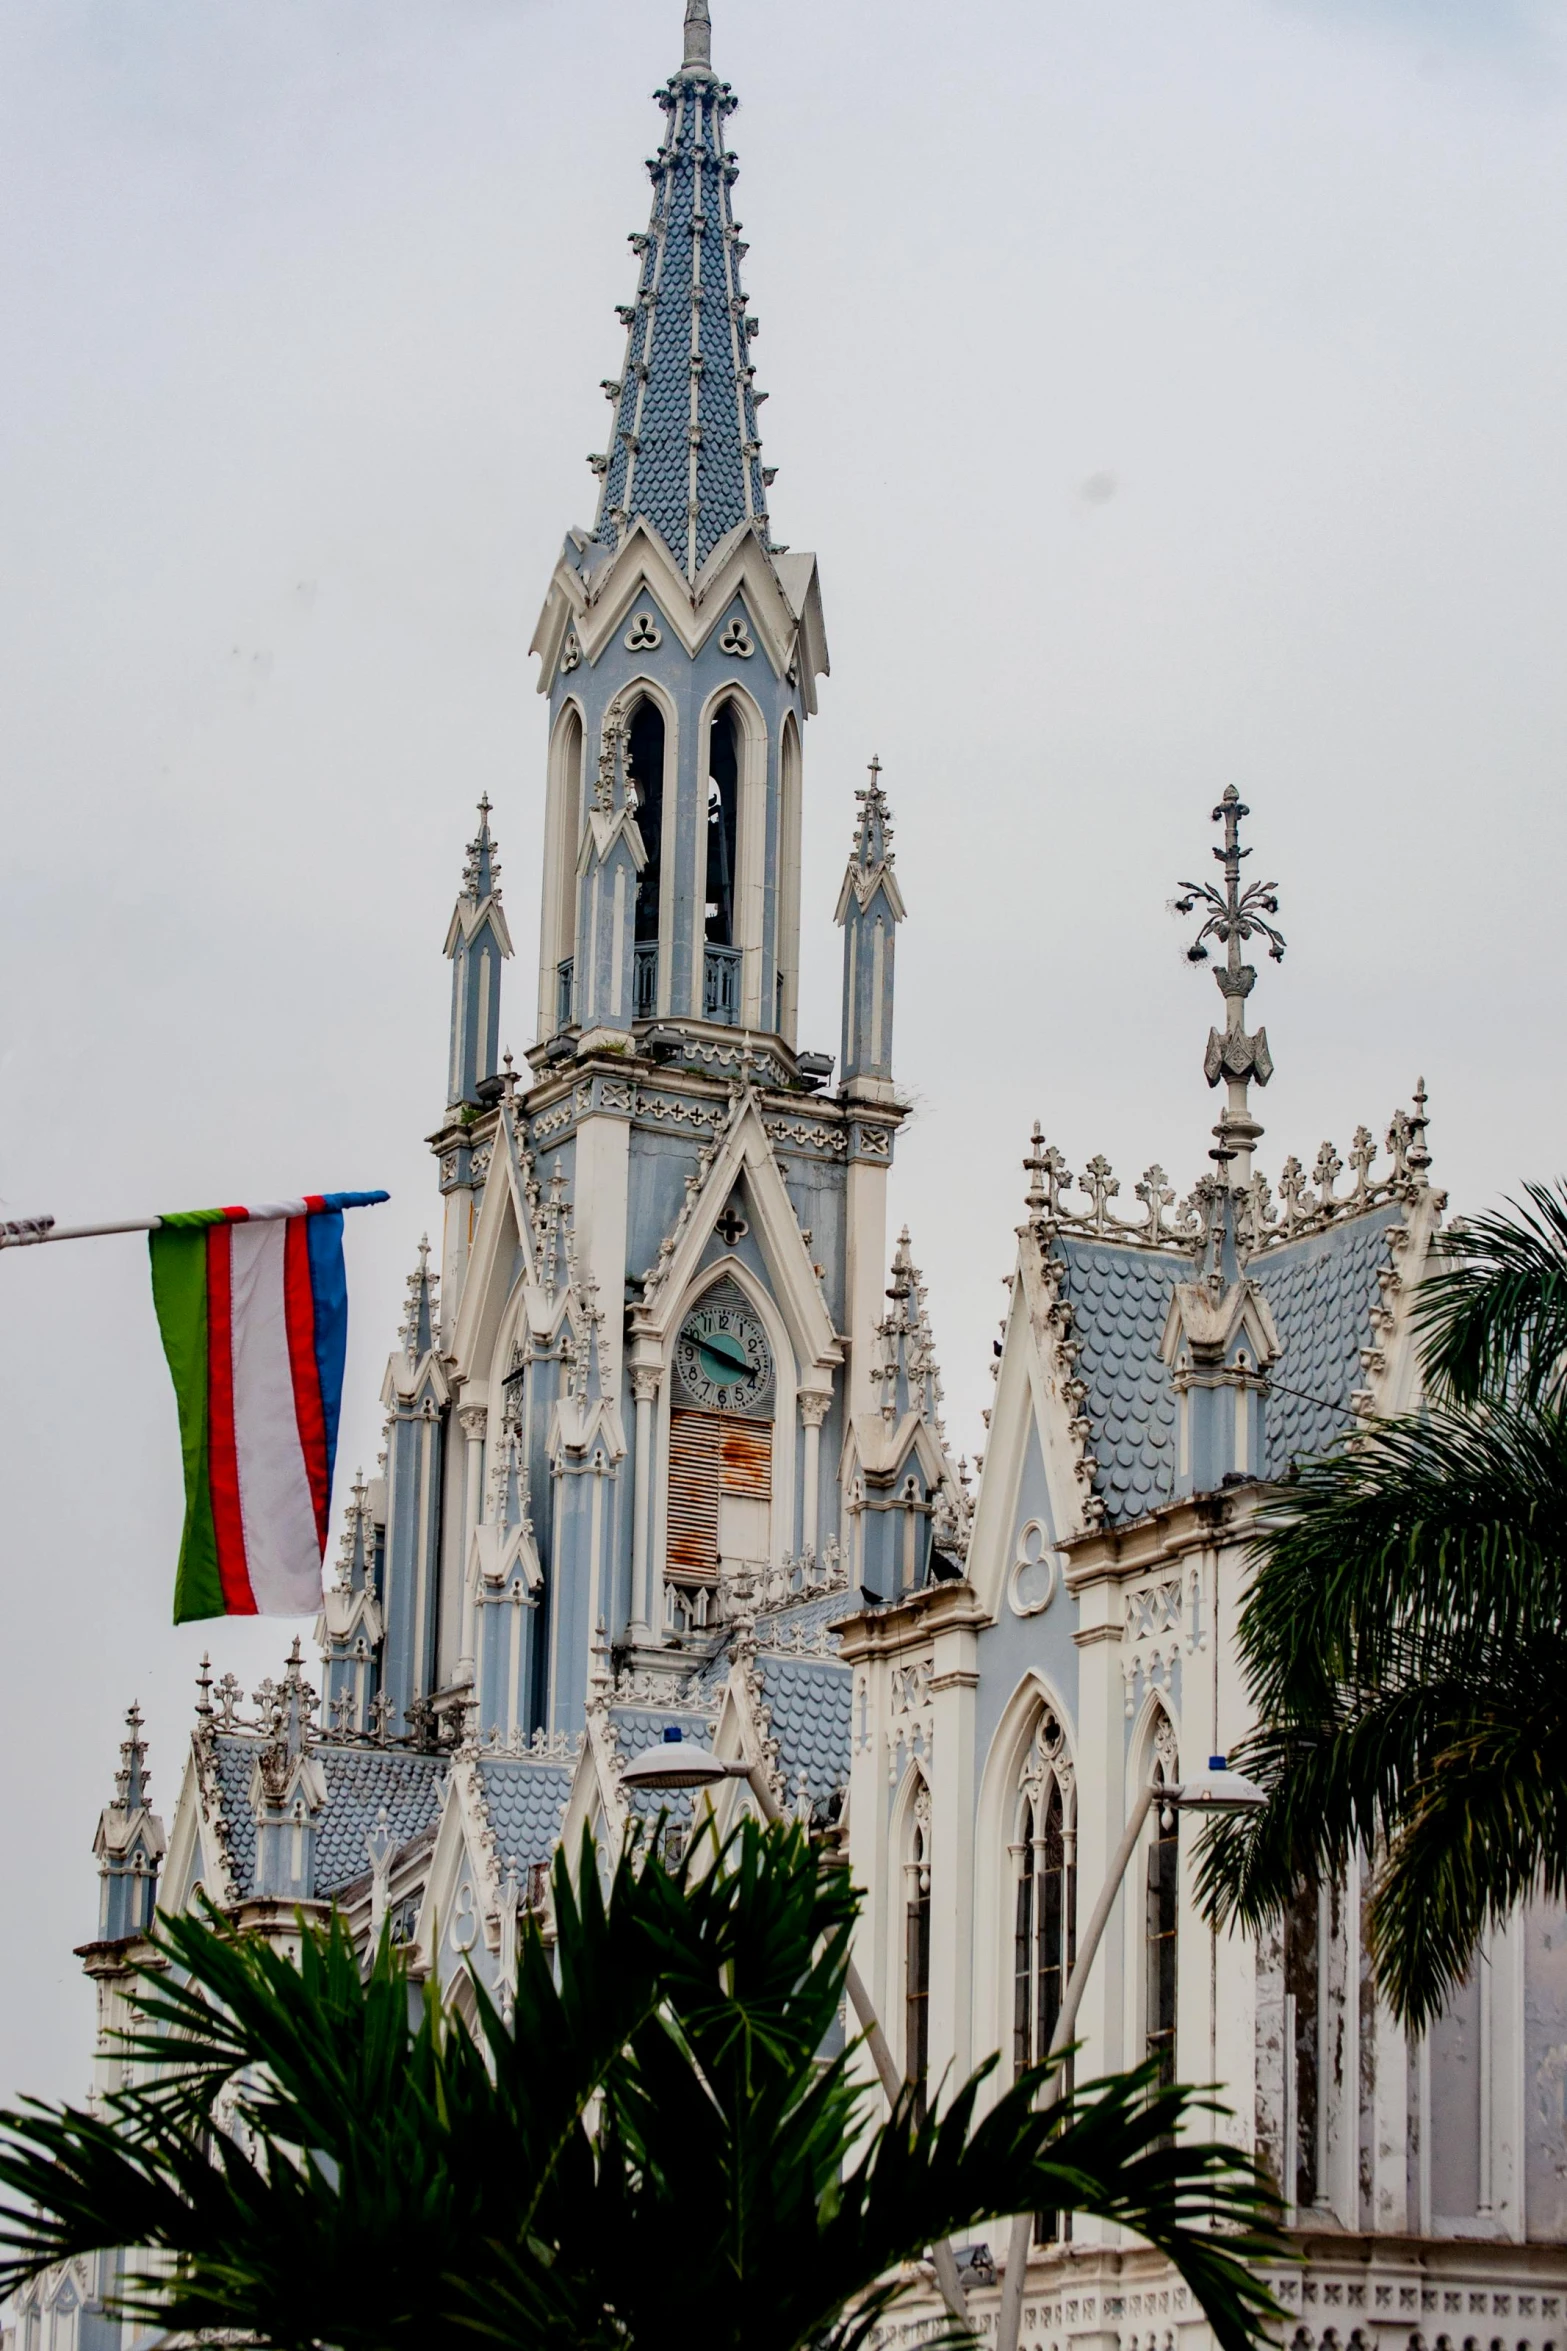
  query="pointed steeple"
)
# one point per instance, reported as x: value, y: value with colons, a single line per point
x: 685, y: 451
x: 351, y: 1623
x: 870, y: 908
x: 910, y: 1381
x: 477, y: 943
x: 129, y: 1845
x: 418, y: 1332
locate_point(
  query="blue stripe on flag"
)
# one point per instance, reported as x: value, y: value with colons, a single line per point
x: 329, y: 1292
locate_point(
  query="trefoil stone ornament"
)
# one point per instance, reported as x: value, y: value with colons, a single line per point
x: 644, y: 634
x: 736, y: 639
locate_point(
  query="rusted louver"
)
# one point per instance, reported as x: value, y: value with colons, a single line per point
x: 710, y: 1455
x: 746, y: 1458
x: 694, y: 1451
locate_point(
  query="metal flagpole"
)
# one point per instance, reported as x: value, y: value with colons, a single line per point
x: 25, y: 1232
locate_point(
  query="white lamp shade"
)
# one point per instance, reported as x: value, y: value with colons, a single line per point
x: 1218, y: 1789
x: 674, y: 1763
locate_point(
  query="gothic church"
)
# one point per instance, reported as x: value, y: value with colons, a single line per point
x: 663, y: 1448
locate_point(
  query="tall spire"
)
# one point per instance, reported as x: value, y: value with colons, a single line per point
x: 870, y: 908
x: 685, y: 452
x: 1232, y: 916
x: 129, y: 1845
x: 477, y: 944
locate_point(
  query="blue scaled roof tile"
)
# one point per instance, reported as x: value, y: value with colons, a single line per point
x: 524, y: 1800
x: 359, y: 1782
x: 1121, y: 1297
x: 1321, y: 1291
x: 808, y: 1705
x: 684, y: 450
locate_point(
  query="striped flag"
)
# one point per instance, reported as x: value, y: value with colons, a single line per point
x: 253, y: 1307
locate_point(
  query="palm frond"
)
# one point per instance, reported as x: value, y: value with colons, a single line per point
x: 1493, y: 1316
x: 312, y: 2155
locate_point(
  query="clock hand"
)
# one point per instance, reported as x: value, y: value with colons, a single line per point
x: 724, y: 1357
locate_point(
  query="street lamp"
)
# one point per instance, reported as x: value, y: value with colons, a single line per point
x: 679, y: 1762
x: 1217, y: 1789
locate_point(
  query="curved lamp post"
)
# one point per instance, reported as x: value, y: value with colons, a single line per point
x: 678, y: 1762
x: 1218, y: 1789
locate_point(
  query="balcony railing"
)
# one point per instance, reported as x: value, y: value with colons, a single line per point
x: 721, y: 984
x: 644, y: 980
x: 563, y: 979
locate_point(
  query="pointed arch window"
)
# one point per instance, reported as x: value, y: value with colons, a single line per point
x: 645, y: 764
x: 558, y: 941
x: 1163, y: 1912
x: 723, y: 825
x: 1044, y: 1929
x: 916, y: 1950
x: 1044, y: 1853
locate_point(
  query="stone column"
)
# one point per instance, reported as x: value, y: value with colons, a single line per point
x: 813, y: 1411
x: 647, y: 1611
x: 474, y: 1420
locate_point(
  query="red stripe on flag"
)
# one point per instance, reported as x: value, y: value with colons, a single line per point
x: 237, y: 1215
x: 222, y: 1458
x: 299, y: 1313
x: 315, y: 1202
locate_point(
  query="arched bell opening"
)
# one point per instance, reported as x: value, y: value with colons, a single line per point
x: 645, y: 763
x: 723, y: 827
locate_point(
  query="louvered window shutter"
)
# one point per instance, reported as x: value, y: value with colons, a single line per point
x: 710, y: 1455
x: 694, y: 1441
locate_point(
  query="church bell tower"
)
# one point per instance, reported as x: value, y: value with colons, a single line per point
x: 661, y: 1321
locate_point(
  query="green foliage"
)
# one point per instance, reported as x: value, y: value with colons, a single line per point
x: 1405, y: 1638
x: 316, y: 2157
x: 1495, y: 1317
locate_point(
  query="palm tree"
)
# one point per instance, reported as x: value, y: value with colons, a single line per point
x: 657, y: 2143
x: 1406, y: 1634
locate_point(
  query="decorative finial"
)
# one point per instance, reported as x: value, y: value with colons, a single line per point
x: 1233, y: 916
x: 699, y: 38
x: 1418, y: 1157
x: 481, y: 870
x: 1034, y: 1199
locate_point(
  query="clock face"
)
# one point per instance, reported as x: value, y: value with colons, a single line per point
x: 723, y: 1357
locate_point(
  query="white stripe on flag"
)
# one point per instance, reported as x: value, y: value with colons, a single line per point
x: 281, y: 1548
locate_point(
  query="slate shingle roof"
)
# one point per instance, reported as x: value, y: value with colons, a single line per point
x: 1122, y: 1296
x: 688, y: 245
x: 808, y: 1700
x: 524, y: 1800
x: 1320, y: 1289
x: 359, y: 1781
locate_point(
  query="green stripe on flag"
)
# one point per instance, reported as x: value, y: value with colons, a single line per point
x: 179, y: 1292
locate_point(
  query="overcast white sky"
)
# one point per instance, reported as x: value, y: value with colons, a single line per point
x: 1174, y: 393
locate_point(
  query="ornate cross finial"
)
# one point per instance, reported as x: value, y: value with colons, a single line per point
x: 1232, y: 916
